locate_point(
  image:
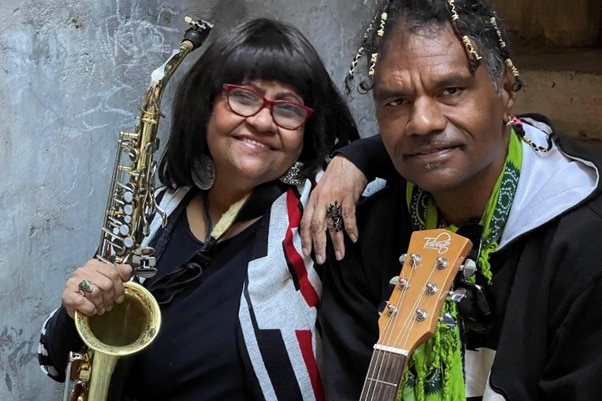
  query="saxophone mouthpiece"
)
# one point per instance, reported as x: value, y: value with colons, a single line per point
x: 198, y: 32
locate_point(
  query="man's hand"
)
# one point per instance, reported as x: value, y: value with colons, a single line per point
x: 344, y: 183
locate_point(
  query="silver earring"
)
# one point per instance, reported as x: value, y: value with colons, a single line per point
x: 203, y: 172
x: 293, y: 175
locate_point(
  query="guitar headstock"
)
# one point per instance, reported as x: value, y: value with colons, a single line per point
x: 433, y: 259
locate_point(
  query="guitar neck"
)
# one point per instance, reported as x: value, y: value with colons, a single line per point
x: 412, y: 312
x: 383, y: 377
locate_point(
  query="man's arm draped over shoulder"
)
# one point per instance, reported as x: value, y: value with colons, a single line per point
x: 370, y: 156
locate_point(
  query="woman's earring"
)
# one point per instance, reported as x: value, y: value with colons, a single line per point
x: 203, y: 172
x: 293, y: 175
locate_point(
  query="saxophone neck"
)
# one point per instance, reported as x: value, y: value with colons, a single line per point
x: 194, y: 37
x: 197, y: 33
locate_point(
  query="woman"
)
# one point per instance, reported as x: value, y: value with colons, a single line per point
x: 255, y: 118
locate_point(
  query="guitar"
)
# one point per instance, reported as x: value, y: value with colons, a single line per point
x: 411, y: 315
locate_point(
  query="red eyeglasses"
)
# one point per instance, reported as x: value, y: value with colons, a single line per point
x: 247, y: 102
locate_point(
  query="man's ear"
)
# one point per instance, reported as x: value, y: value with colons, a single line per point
x: 506, y: 92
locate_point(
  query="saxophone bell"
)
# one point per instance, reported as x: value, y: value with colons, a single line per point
x: 128, y: 328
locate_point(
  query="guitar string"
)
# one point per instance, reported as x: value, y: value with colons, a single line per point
x: 388, y: 331
x: 376, y: 362
x: 406, y: 326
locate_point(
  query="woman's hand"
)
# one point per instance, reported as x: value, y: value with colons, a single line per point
x: 94, y: 288
x: 337, y: 193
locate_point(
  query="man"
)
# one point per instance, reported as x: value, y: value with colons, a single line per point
x: 529, y: 199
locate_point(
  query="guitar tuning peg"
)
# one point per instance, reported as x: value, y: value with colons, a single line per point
x: 415, y: 259
x: 400, y: 282
x: 469, y: 268
x: 448, y: 320
x: 458, y: 294
x: 402, y: 258
x: 391, y: 309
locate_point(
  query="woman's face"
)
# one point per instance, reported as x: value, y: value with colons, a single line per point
x: 248, y: 151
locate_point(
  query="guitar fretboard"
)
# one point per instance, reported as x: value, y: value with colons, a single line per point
x: 383, y: 377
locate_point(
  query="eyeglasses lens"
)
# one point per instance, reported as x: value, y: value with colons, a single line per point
x: 247, y: 103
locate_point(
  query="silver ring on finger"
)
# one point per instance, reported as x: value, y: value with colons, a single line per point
x: 85, y: 286
x: 335, y: 216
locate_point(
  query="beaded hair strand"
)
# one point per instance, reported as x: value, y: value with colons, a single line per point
x: 473, y: 21
x: 380, y: 32
x: 518, y: 83
x: 381, y: 13
x: 360, y: 52
x: 471, y: 50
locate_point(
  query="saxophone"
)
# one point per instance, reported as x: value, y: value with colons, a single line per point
x: 132, y: 325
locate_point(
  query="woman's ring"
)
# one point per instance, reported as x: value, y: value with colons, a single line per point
x: 335, y: 216
x: 84, y: 286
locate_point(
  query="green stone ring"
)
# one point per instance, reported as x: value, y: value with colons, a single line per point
x: 85, y: 285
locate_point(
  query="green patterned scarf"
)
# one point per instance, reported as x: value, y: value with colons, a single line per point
x: 435, y: 369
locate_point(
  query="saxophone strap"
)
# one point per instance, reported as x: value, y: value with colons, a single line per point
x: 254, y: 205
x: 249, y: 207
x: 226, y: 220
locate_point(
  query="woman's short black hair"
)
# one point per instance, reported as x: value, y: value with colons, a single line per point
x: 261, y: 49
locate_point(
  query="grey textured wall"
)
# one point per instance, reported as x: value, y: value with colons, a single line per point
x: 72, y: 74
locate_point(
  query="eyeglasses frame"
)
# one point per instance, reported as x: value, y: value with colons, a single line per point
x: 266, y: 103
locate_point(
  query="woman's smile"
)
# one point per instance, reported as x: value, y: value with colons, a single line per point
x: 254, y: 144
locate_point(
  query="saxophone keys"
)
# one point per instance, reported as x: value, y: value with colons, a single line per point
x: 128, y: 197
x: 124, y: 230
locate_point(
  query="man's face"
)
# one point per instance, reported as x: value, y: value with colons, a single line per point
x: 442, y: 125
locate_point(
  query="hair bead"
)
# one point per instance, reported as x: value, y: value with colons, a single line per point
x: 383, y: 22
x: 518, y: 83
x: 493, y: 21
x: 452, y: 9
x: 356, y: 59
x: 372, y: 67
x: 469, y: 46
x: 470, y: 49
x: 360, y: 51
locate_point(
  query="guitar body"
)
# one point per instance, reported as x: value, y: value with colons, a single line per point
x: 411, y: 315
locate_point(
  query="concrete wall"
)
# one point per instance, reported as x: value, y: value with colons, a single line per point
x: 566, y: 86
x: 574, y: 23
x: 72, y: 74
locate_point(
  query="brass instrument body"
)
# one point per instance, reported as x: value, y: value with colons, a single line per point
x: 131, y: 202
x: 128, y: 328
x: 133, y: 324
